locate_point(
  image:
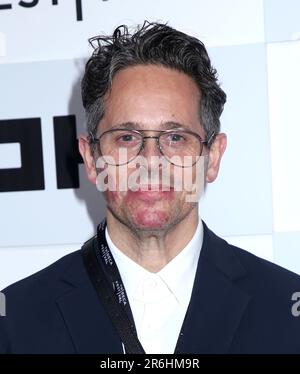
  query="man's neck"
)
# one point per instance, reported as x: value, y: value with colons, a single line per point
x: 152, y: 250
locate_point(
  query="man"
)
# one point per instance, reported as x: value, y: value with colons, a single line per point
x: 155, y: 279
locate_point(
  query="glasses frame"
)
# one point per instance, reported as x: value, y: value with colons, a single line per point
x: 94, y: 140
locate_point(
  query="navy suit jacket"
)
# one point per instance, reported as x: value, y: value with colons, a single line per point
x: 239, y: 304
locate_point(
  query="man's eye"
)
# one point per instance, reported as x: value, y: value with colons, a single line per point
x: 176, y: 137
x: 127, y: 138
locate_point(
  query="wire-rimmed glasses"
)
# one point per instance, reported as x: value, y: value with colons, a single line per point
x: 179, y: 146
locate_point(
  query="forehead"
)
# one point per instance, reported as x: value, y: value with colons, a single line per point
x: 151, y: 95
x: 149, y: 73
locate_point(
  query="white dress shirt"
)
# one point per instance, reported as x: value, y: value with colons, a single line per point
x: 159, y: 301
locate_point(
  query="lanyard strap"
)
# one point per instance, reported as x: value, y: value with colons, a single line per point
x: 108, y: 284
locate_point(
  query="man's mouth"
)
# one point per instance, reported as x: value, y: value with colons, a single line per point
x: 149, y: 194
x: 155, y: 187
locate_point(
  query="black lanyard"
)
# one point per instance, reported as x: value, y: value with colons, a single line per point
x: 108, y: 284
x: 105, y: 258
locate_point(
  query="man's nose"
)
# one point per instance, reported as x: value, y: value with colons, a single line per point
x: 150, y: 146
x: 150, y: 150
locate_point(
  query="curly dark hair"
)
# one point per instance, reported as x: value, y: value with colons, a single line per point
x: 151, y: 43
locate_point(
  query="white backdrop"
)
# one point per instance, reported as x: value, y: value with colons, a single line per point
x: 254, y: 46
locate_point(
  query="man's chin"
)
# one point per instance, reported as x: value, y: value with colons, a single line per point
x: 150, y: 219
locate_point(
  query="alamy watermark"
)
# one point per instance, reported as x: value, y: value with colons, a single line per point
x: 154, y: 174
x: 296, y: 306
x: 2, y: 305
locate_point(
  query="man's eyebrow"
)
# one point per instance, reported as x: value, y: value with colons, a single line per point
x: 172, y: 125
x: 126, y: 125
x: 137, y: 126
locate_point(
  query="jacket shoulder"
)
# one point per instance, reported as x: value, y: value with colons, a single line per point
x: 256, y: 268
x: 46, y: 279
x: 31, y: 309
x: 269, y: 323
x: 39, y: 291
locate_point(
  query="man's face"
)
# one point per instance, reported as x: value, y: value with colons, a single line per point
x: 151, y: 97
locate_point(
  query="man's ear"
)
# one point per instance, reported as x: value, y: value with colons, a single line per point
x: 87, y: 155
x: 216, y: 152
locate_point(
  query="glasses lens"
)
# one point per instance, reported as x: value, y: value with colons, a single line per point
x: 181, y: 148
x: 118, y: 147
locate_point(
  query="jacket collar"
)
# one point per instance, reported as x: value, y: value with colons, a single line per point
x: 85, y: 318
x: 217, y: 303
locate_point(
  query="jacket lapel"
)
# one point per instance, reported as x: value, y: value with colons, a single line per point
x: 86, y: 321
x: 217, y: 303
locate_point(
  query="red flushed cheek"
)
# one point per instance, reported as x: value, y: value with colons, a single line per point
x: 151, y: 218
x: 111, y: 196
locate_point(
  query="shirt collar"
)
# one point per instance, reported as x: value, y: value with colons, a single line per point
x: 178, y: 275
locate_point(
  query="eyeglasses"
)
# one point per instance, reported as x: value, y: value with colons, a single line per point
x: 180, y: 147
